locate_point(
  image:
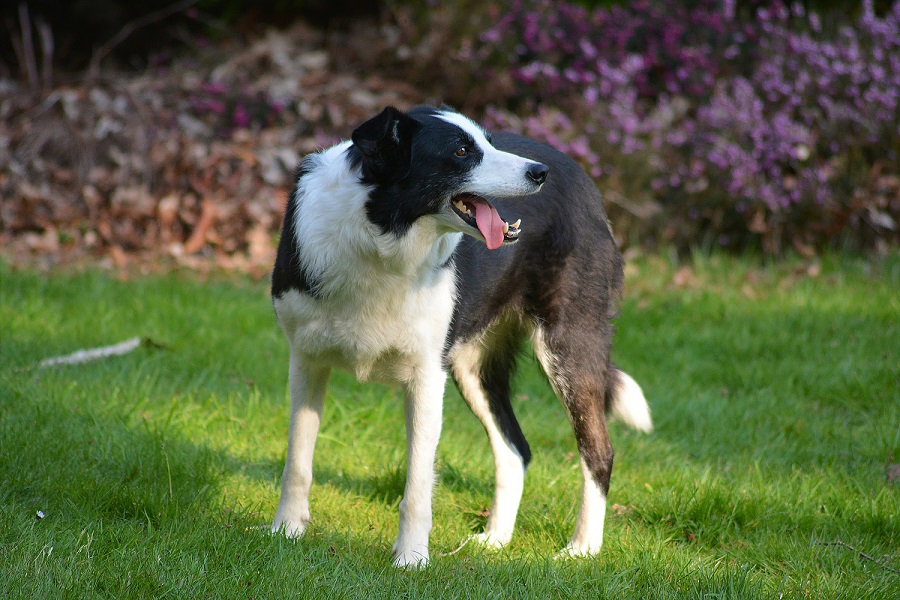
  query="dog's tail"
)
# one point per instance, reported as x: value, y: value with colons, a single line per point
x: 625, y: 400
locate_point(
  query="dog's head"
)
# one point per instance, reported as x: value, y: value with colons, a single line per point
x: 437, y: 163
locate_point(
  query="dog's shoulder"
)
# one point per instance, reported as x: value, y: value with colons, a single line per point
x: 288, y: 273
x: 324, y: 195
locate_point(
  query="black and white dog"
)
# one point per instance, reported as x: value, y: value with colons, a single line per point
x: 396, y: 264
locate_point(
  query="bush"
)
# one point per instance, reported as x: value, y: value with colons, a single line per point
x: 702, y: 124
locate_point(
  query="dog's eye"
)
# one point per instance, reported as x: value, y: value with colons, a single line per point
x: 462, y: 151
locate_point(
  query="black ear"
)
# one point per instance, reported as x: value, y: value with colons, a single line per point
x: 385, y: 144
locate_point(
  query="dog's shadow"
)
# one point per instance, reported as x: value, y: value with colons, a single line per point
x: 385, y: 484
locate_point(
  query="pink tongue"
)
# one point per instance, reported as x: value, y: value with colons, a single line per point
x: 489, y: 223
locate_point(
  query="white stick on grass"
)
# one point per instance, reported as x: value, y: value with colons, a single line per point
x: 83, y: 356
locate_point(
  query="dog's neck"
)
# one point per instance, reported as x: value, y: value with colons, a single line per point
x: 343, y: 251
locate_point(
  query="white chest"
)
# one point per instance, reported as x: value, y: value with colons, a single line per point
x: 384, y: 303
x: 383, y: 331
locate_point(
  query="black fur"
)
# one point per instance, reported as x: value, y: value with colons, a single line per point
x: 288, y: 272
x: 497, y: 369
x: 403, y: 195
x: 565, y: 274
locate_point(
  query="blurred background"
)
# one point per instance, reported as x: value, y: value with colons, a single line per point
x: 151, y: 132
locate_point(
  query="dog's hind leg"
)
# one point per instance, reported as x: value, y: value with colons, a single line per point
x: 578, y: 365
x: 307, y: 387
x: 482, y: 374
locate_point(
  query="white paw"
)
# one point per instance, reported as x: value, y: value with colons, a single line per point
x: 411, y: 559
x: 490, y: 540
x: 577, y: 551
x: 291, y: 529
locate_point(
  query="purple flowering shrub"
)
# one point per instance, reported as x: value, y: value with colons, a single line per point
x: 663, y: 47
x: 704, y: 125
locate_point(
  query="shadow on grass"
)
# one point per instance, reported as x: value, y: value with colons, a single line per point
x: 385, y: 484
x: 76, y: 465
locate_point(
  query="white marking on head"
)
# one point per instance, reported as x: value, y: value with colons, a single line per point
x: 394, y: 132
x: 467, y: 125
x: 500, y: 174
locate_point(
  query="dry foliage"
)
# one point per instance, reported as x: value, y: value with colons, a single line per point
x: 189, y: 164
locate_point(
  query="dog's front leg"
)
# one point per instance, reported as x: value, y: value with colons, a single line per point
x: 307, y: 386
x: 424, y: 401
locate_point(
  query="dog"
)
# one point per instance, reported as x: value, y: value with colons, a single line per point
x: 426, y: 246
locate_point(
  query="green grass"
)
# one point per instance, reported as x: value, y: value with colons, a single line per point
x: 774, y: 394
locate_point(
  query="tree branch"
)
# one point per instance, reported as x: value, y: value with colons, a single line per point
x: 29, y: 61
x: 101, y: 52
x: 862, y: 554
x: 47, y: 49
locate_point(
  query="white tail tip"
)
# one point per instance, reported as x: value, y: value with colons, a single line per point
x: 629, y: 404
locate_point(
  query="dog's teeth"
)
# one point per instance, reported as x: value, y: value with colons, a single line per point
x: 461, y: 207
x: 516, y: 224
x: 505, y: 227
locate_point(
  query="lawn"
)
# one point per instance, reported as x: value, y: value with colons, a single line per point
x: 774, y: 390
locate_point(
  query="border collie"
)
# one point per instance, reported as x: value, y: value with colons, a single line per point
x: 426, y: 246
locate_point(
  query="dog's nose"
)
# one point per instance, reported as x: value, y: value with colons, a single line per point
x: 537, y: 172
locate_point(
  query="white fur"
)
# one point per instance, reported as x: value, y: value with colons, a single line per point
x: 387, y: 307
x: 629, y: 404
x: 424, y: 402
x: 499, y: 174
x: 508, y: 464
x: 343, y: 249
x: 307, y: 395
x: 383, y: 314
x: 548, y: 362
x: 588, y: 536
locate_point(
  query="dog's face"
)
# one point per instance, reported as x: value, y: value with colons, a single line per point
x: 439, y: 164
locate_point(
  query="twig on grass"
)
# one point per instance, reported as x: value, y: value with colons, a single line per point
x: 90, y: 354
x: 461, y: 546
x: 861, y: 553
x: 82, y: 356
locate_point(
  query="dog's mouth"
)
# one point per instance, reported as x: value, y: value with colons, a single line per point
x: 477, y: 212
